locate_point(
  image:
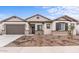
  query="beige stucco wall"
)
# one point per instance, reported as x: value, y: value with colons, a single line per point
x: 26, y: 28
x: 2, y: 26
x: 47, y: 31
x: 74, y: 31
x: 77, y: 29
x: 10, y: 21
x: 54, y: 25
x: 37, y: 24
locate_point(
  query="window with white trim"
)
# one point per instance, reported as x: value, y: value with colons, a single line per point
x: 39, y: 27
x: 48, y: 26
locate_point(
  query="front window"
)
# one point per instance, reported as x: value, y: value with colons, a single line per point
x: 61, y: 26
x: 72, y: 24
x: 48, y: 26
x: 39, y: 27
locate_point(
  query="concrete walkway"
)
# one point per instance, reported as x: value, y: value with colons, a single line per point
x: 53, y: 49
x: 6, y: 39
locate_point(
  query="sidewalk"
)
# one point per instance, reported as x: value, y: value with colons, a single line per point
x: 54, y: 49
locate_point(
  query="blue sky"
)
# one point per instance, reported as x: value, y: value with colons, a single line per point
x: 51, y: 12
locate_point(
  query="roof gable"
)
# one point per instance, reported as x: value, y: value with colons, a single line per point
x: 37, y: 17
x: 13, y: 19
x: 66, y: 18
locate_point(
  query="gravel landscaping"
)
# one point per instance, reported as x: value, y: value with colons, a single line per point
x: 44, y: 40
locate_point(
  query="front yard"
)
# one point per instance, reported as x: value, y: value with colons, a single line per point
x: 44, y: 40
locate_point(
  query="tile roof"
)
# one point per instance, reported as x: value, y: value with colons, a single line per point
x: 68, y: 18
x: 12, y: 17
x: 38, y: 15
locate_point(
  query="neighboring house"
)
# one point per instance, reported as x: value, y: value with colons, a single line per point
x: 37, y: 24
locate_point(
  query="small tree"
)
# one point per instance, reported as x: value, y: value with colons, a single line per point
x: 71, y: 29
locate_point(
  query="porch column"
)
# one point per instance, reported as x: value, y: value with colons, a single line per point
x: 44, y: 28
x: 3, y: 28
x: 53, y: 26
x: 68, y: 25
x: 27, y: 28
x: 74, y: 31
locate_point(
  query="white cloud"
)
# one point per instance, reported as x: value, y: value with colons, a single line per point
x: 46, y: 7
x: 64, y: 10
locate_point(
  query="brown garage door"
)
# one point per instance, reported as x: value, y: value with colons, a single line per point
x: 15, y: 29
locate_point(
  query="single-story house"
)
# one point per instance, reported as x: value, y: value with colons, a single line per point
x: 37, y: 24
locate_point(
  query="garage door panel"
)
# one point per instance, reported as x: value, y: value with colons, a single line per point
x: 15, y: 29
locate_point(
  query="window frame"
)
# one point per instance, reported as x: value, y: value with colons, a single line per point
x: 48, y: 26
x: 61, y: 26
x: 39, y: 28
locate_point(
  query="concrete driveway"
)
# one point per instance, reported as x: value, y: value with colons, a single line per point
x: 6, y: 39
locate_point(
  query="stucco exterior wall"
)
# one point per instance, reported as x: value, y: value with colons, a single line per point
x: 74, y: 31
x: 54, y: 25
x: 36, y: 24
x: 77, y: 29
x: 13, y: 20
x: 37, y: 21
x: 47, y: 31
x: 3, y: 29
x: 26, y: 28
x: 0, y: 28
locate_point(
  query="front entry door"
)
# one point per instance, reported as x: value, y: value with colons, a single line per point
x: 33, y: 28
